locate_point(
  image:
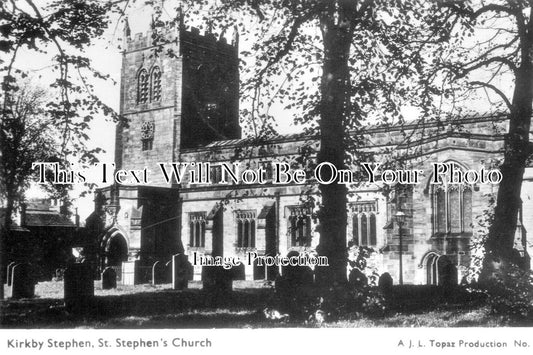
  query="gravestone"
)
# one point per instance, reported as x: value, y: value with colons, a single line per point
x: 109, y: 278
x: 9, y: 272
x: 294, y: 287
x: 168, y: 272
x: 297, y: 275
x: 448, y: 276
x: 78, y: 285
x: 217, y: 280
x: 158, y: 273
x: 181, y: 269
x: 238, y: 272
x: 447, y: 272
x: 130, y: 272
x: 357, y: 279
x: 22, y: 281
x: 385, y: 282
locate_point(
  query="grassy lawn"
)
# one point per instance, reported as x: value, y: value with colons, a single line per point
x: 147, y: 306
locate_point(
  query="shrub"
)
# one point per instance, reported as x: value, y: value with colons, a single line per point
x: 512, y: 296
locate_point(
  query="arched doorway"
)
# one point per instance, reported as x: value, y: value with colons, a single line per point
x: 440, y: 270
x: 432, y: 273
x: 116, y: 252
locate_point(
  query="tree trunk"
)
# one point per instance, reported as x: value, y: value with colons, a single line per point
x: 334, y: 102
x: 500, y: 251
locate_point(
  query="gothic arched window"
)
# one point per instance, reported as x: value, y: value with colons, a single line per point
x: 452, y: 208
x: 364, y: 231
x: 142, y: 87
x: 197, y: 229
x: 245, y: 229
x: 156, y: 84
x: 299, y: 223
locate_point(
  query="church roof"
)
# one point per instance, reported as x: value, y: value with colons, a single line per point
x: 385, y: 127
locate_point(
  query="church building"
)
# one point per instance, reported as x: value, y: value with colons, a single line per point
x: 181, y: 100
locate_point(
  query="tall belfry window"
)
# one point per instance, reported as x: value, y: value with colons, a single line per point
x: 452, y: 209
x: 197, y: 229
x: 142, y: 87
x: 156, y: 84
x: 245, y: 229
x: 147, y: 135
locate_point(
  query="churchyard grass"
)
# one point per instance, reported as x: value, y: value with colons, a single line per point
x: 158, y: 306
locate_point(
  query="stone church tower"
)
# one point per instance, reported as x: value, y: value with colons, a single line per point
x: 179, y: 90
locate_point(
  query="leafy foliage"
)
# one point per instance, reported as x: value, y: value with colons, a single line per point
x: 59, y: 31
x: 512, y: 296
x: 28, y: 136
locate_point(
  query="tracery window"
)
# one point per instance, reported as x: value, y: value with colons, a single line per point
x: 245, y: 229
x: 452, y: 208
x: 156, y: 84
x: 299, y: 224
x: 142, y: 87
x: 197, y: 229
x: 364, y: 230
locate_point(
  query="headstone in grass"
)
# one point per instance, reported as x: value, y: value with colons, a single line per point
x: 9, y: 272
x: 238, y: 272
x: 158, y: 273
x: 216, y: 279
x: 294, y: 288
x: 131, y: 271
x: 357, y: 279
x: 448, y: 277
x: 181, y: 270
x: 385, y: 283
x: 22, y: 281
x: 297, y: 275
x: 109, y: 278
x: 168, y: 272
x: 447, y: 272
x: 78, y: 285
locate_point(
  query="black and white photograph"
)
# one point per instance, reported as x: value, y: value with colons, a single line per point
x: 197, y: 174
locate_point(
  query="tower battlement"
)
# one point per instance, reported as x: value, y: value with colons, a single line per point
x: 190, y: 34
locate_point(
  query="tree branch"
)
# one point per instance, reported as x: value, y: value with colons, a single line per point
x: 499, y: 59
x: 494, y: 8
x: 496, y: 90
